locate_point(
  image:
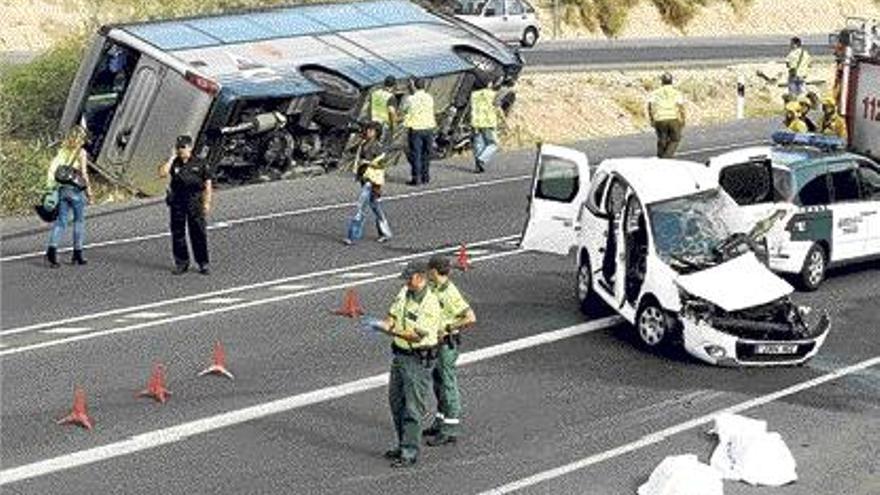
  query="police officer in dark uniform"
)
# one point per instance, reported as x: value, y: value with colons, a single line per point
x: 189, y: 202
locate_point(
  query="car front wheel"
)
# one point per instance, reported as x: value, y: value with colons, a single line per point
x: 529, y: 37
x: 653, y: 325
x: 813, y: 272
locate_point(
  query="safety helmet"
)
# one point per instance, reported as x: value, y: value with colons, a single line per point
x: 828, y: 101
x: 793, y: 106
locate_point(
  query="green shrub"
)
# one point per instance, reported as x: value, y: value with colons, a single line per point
x: 23, y: 167
x: 34, y: 94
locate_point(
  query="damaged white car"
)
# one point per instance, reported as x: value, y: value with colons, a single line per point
x: 667, y: 249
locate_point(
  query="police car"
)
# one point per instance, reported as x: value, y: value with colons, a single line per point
x: 663, y: 246
x: 826, y: 200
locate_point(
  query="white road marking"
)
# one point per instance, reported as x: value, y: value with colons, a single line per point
x: 289, y: 213
x: 146, y: 315
x: 241, y: 288
x: 290, y: 287
x: 304, y: 211
x: 182, y: 431
x: 219, y: 310
x: 477, y: 252
x: 66, y: 330
x: 222, y: 300
x: 356, y: 275
x: 120, y: 320
x: 665, y: 433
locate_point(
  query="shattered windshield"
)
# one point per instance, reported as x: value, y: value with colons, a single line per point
x: 688, y: 231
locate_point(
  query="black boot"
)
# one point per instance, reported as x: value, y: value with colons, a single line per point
x: 52, y: 257
x: 77, y: 258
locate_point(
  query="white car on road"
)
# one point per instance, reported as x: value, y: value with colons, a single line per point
x: 513, y: 21
x: 660, y: 243
x: 828, y: 200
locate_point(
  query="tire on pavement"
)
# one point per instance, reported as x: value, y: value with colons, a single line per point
x: 339, y: 93
x: 813, y: 271
x: 655, y: 328
x: 331, y: 117
x: 587, y: 298
x: 529, y: 37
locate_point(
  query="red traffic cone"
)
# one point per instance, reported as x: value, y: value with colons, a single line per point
x: 351, y: 306
x: 218, y: 366
x: 78, y: 415
x: 463, y: 262
x: 156, y: 386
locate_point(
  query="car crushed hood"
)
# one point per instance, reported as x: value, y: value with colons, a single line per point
x: 736, y: 284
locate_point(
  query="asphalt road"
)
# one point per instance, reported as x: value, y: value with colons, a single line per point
x: 307, y: 412
x: 621, y: 54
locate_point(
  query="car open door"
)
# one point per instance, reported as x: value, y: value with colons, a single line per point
x: 559, y: 188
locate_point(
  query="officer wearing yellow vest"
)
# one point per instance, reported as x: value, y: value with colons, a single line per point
x: 832, y: 123
x: 383, y: 109
x: 798, y: 64
x: 420, y: 119
x: 414, y: 321
x: 666, y: 111
x: 793, y: 121
x: 484, y: 121
x: 457, y: 314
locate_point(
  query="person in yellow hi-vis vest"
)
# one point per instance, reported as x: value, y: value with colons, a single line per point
x: 793, y: 121
x: 667, y: 115
x: 798, y: 64
x: 383, y: 109
x: 457, y: 315
x: 484, y: 121
x: 832, y: 123
x: 420, y: 119
x: 414, y: 321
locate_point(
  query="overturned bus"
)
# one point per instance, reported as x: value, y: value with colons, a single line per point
x: 272, y: 92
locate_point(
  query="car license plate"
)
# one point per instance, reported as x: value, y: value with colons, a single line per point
x: 776, y: 349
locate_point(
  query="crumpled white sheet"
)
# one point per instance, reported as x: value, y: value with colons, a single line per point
x: 683, y: 475
x: 748, y: 452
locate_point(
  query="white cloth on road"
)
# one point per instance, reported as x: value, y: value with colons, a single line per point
x: 683, y: 475
x: 747, y: 451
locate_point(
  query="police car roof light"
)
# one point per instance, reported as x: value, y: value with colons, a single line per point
x: 826, y: 143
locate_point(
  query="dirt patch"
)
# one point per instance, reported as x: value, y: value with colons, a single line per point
x: 719, y: 19
x: 573, y: 106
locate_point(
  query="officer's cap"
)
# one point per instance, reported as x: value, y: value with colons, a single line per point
x: 412, y: 268
x: 440, y: 263
x: 184, y: 141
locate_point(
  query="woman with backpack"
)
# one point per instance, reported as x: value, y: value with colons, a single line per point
x: 68, y: 172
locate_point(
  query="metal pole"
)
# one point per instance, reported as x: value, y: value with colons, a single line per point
x: 740, y: 97
x: 555, y: 19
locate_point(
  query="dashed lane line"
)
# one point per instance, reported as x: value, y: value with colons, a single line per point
x: 660, y: 435
x: 356, y: 275
x: 221, y: 300
x: 241, y: 288
x: 147, y: 315
x: 66, y: 330
x: 183, y: 431
x: 217, y: 310
x: 290, y: 287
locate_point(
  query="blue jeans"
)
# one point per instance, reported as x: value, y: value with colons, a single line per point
x: 356, y: 225
x: 485, y: 145
x: 70, y: 199
x: 421, y: 144
x: 796, y: 86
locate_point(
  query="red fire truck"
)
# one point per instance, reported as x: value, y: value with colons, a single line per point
x: 857, y: 86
